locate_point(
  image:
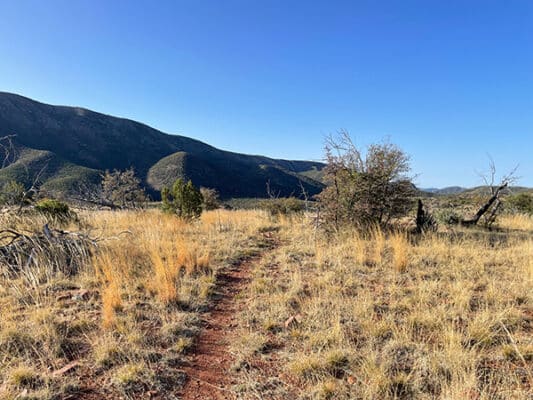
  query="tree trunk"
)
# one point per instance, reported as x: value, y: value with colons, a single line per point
x: 420, y: 217
x: 484, y: 208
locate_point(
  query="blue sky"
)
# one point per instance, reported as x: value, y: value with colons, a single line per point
x: 448, y: 81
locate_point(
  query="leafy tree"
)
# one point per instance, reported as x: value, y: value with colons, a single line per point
x: 210, y: 198
x: 122, y: 189
x: 365, y: 190
x: 182, y: 199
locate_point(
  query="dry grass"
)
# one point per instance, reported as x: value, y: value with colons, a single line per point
x: 400, y: 251
x: 130, y: 310
x: 354, y: 316
x: 520, y: 222
x: 441, y: 317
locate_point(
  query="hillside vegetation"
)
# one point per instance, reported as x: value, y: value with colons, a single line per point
x: 91, y: 141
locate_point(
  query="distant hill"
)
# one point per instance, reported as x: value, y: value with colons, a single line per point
x: 77, y: 144
x: 446, y: 190
x: 475, y: 191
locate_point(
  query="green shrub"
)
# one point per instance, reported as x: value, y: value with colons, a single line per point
x: 522, y: 203
x: 364, y: 188
x: 182, y: 199
x: 448, y: 216
x: 55, y: 210
x: 284, y: 206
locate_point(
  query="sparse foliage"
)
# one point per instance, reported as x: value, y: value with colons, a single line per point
x: 522, y: 202
x: 210, y: 198
x: 365, y: 190
x: 182, y: 199
x: 284, y: 205
x: 13, y: 194
x: 122, y: 189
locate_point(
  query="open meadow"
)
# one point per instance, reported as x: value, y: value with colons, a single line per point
x: 120, y: 311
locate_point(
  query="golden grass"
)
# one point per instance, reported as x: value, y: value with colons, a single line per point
x: 353, y: 316
x: 521, y: 222
x: 456, y: 323
x: 400, y: 251
x: 130, y: 310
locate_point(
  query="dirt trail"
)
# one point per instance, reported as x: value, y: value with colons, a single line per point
x: 209, y: 369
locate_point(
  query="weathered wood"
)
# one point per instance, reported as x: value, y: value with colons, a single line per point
x: 484, y: 208
x: 419, y: 217
x: 424, y: 220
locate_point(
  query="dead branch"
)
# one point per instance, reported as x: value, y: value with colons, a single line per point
x: 424, y: 220
x: 493, y: 204
x: 9, y: 149
x: 484, y: 208
x: 52, y: 249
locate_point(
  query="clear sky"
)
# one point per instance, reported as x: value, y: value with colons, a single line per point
x: 448, y: 81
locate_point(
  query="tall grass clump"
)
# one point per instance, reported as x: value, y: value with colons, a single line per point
x: 400, y: 251
x: 110, y: 281
x: 377, y: 245
x: 165, y: 274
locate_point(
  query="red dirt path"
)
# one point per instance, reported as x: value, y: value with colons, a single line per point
x: 209, y: 369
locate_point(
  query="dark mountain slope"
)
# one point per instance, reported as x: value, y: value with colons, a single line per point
x: 57, y: 174
x: 95, y: 142
x: 240, y: 178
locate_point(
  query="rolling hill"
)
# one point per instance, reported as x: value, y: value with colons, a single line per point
x: 74, y: 145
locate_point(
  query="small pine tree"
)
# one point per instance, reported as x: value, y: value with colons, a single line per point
x: 182, y: 199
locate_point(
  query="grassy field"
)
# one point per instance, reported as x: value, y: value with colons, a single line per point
x: 386, y: 316
x: 382, y: 315
x: 121, y: 324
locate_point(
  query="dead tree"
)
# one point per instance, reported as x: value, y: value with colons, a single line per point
x: 494, y: 203
x: 49, y: 249
x: 9, y: 149
x: 485, y: 207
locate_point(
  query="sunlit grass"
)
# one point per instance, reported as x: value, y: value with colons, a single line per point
x: 147, y: 272
x: 431, y: 317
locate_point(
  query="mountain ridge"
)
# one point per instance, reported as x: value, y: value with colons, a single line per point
x: 97, y: 142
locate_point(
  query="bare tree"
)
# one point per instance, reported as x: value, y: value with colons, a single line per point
x: 9, y: 150
x: 493, y: 206
x: 210, y: 198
